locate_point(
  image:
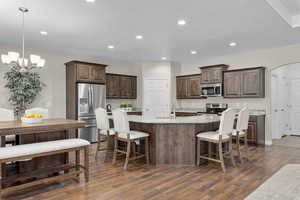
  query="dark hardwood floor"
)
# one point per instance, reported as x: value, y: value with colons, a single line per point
x: 140, y: 182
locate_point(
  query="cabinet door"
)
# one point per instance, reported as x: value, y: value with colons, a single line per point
x: 97, y: 74
x: 127, y: 87
x: 181, y: 88
x: 252, y: 83
x: 232, y: 84
x: 83, y: 73
x: 112, y: 86
x: 216, y: 75
x: 206, y: 76
x: 193, y: 86
x: 252, y: 132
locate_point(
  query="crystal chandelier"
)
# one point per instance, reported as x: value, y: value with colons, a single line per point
x: 13, y: 59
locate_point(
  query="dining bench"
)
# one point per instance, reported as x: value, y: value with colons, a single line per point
x: 34, y: 150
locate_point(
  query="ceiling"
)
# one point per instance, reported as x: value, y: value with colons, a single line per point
x: 86, y: 29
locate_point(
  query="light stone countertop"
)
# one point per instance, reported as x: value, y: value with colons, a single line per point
x: 252, y: 112
x: 203, y: 119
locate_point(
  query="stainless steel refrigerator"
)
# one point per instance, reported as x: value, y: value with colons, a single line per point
x: 90, y: 97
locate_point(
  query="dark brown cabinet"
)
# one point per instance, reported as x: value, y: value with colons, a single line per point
x: 245, y: 83
x: 121, y: 86
x: 213, y: 74
x: 81, y: 72
x: 89, y: 72
x: 256, y: 129
x: 188, y: 87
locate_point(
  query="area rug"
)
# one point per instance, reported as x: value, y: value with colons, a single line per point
x: 283, y: 185
x: 288, y: 141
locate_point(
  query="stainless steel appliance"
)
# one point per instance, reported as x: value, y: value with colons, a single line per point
x: 216, y: 108
x: 90, y: 97
x: 211, y: 90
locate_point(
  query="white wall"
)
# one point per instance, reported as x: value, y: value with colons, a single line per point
x: 53, y: 95
x: 270, y: 58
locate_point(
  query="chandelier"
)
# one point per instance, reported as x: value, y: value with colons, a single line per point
x: 22, y: 64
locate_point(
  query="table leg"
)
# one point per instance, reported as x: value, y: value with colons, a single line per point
x: 3, y: 165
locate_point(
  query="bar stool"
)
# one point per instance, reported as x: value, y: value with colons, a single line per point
x: 103, y: 129
x: 8, y: 115
x: 37, y: 110
x: 124, y: 134
x: 223, y: 136
x: 241, y: 132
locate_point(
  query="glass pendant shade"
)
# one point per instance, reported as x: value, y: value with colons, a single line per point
x: 5, y: 59
x: 13, y: 56
x: 23, y: 62
x: 41, y: 63
x: 34, y: 59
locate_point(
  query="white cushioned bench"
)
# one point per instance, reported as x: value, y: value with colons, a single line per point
x: 29, y: 151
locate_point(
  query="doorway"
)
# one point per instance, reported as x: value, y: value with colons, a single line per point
x: 285, y: 104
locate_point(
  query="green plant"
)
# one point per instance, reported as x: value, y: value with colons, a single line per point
x: 23, y: 88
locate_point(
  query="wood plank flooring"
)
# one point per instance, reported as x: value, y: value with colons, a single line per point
x: 141, y: 182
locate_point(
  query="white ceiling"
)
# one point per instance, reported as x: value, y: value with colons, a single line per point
x: 78, y: 28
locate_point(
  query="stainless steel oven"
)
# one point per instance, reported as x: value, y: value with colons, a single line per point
x: 211, y: 90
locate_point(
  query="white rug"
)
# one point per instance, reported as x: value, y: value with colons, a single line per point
x: 284, y: 185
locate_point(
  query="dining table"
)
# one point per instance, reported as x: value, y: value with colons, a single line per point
x: 46, y: 130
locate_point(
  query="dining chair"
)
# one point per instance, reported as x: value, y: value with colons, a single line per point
x: 37, y: 110
x: 241, y: 133
x: 221, y: 138
x: 8, y: 115
x: 124, y: 134
x: 102, y: 129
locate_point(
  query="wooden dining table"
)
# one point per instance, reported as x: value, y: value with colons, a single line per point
x: 47, y: 130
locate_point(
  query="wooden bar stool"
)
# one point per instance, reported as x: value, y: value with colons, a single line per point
x: 103, y: 129
x: 223, y: 136
x: 124, y: 134
x: 241, y: 133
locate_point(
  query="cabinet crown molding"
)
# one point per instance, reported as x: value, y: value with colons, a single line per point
x: 83, y: 62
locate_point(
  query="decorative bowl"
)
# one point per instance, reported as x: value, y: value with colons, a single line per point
x: 31, y: 120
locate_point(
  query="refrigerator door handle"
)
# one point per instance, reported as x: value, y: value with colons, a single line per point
x: 92, y: 98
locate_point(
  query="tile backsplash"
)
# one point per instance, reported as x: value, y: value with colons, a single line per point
x: 115, y: 103
x: 256, y: 104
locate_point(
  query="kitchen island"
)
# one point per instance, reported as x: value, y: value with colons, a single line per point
x: 173, y: 141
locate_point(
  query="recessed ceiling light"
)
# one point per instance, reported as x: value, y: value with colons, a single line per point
x: 181, y: 22
x: 90, y: 1
x: 139, y: 37
x: 43, y: 32
x: 232, y: 44
x: 111, y: 46
x: 193, y: 52
x: 164, y: 58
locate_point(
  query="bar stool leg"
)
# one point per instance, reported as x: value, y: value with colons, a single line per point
x: 127, y: 154
x: 86, y: 164
x: 77, y: 161
x: 198, y: 151
x: 238, y: 147
x: 147, y: 150
x: 246, y: 146
x: 230, y: 152
x: 221, y: 157
x: 115, y: 149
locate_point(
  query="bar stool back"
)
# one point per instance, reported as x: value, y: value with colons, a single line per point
x: 102, y: 129
x: 241, y: 132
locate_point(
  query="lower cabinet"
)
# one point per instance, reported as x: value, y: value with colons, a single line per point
x: 121, y: 86
x: 256, y: 130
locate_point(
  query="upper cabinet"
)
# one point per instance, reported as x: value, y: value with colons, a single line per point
x: 188, y: 87
x: 213, y: 74
x: 88, y: 72
x: 245, y: 83
x: 121, y: 86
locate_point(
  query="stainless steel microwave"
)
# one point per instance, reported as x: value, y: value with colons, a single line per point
x: 211, y: 90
